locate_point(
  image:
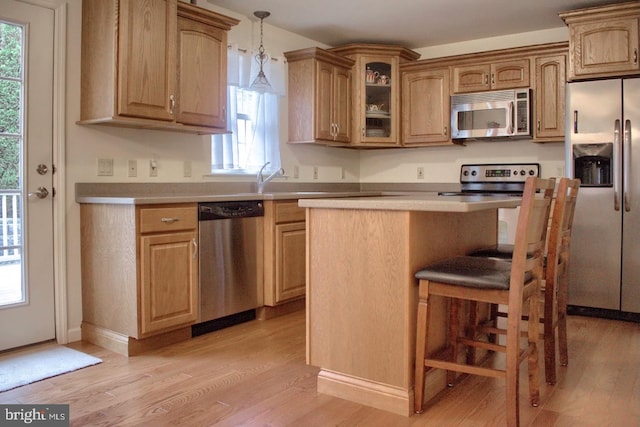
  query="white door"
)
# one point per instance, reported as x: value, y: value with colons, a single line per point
x: 26, y: 206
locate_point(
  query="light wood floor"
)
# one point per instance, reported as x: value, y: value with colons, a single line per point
x: 255, y: 374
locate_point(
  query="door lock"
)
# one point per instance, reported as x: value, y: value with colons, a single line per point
x: 42, y: 193
x: 42, y: 169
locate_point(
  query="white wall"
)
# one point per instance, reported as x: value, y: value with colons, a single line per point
x: 84, y: 144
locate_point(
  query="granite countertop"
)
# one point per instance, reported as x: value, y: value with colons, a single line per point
x: 199, y: 198
x: 162, y: 193
x: 428, y: 201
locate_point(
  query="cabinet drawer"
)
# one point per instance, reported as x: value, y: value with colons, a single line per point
x: 154, y: 220
x: 289, y: 212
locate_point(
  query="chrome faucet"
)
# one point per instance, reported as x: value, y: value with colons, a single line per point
x: 261, y: 181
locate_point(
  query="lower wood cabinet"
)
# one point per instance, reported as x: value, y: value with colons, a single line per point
x: 285, y: 253
x: 139, y: 275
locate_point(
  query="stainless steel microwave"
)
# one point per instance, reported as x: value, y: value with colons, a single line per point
x: 500, y: 113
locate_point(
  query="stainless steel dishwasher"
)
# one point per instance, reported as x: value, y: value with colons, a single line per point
x: 230, y: 241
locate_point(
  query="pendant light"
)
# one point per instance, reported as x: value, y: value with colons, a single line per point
x: 261, y: 84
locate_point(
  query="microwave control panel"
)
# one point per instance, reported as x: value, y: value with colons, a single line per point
x: 514, y: 172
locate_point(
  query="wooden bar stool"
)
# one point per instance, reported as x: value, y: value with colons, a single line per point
x: 553, y: 294
x: 493, y: 281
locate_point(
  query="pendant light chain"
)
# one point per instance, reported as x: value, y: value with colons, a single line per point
x: 261, y: 83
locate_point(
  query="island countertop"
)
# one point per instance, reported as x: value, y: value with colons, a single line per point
x: 430, y: 202
x: 362, y: 255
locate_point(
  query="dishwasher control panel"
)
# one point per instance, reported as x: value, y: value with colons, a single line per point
x: 228, y: 210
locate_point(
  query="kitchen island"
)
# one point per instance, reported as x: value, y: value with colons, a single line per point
x: 362, y: 254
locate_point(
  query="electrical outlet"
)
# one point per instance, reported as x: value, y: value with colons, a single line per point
x: 420, y: 172
x: 105, y: 167
x: 186, y: 166
x: 132, y: 168
x: 315, y: 172
x: 153, y: 167
x: 296, y: 172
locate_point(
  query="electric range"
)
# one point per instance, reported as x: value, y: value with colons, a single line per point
x: 494, y: 179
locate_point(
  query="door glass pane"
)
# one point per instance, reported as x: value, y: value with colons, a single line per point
x: 11, y: 94
x: 378, y: 99
x: 495, y: 118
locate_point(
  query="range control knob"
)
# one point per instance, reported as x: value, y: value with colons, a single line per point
x: 465, y: 173
x: 474, y: 173
x: 522, y: 172
x: 532, y: 172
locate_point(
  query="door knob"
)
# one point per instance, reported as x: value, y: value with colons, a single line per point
x: 41, y: 193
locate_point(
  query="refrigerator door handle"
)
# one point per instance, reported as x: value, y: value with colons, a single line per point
x: 626, y: 157
x: 616, y: 165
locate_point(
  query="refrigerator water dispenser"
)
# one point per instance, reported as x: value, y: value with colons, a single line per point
x: 592, y: 164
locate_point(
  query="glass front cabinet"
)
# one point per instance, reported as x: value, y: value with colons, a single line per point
x: 376, y: 92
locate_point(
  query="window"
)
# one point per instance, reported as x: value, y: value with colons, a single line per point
x: 253, y: 119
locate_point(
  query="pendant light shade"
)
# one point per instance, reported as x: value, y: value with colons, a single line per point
x: 261, y: 83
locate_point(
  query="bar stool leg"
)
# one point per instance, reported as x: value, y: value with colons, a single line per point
x: 422, y: 329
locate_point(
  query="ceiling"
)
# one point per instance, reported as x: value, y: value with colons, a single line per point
x: 410, y: 23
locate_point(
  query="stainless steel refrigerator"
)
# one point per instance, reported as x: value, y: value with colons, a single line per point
x: 603, y: 150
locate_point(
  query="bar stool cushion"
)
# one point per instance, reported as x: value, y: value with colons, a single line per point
x: 501, y: 250
x: 472, y: 272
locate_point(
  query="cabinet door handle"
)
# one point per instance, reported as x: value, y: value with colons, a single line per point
x: 195, y: 248
x: 446, y: 130
x: 493, y: 79
x: 169, y: 220
x: 486, y: 79
x: 538, y: 125
x: 635, y: 56
x: 172, y: 104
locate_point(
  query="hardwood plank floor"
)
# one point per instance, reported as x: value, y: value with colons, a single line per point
x: 254, y: 374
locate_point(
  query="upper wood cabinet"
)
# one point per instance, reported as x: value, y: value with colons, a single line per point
x: 428, y: 84
x: 549, y: 97
x: 603, y: 41
x: 319, y: 96
x: 202, y: 71
x: 375, y: 104
x: 493, y: 76
x: 158, y: 64
x: 426, y: 112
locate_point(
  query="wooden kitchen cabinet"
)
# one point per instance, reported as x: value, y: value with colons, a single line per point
x: 426, y: 112
x: 375, y: 104
x: 491, y: 76
x: 157, y: 64
x: 139, y: 275
x: 319, y: 97
x: 603, y: 41
x: 285, y: 242
x: 549, y: 97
